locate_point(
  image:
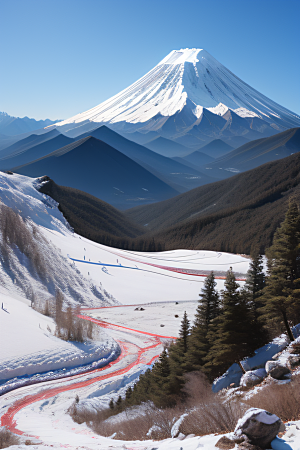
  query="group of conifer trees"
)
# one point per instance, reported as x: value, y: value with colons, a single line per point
x: 229, y: 326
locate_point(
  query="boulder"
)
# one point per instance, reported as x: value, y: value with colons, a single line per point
x: 259, y: 426
x: 225, y: 443
x: 252, y: 377
x: 276, y: 370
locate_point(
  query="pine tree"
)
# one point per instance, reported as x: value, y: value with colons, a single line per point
x: 161, y: 394
x: 128, y: 393
x: 282, y: 291
x: 253, y: 291
x: 184, y: 332
x: 230, y: 342
x: 207, y: 311
x: 119, y: 402
x: 111, y: 403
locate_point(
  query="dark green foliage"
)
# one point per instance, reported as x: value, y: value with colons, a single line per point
x: 128, y: 393
x: 119, y: 402
x: 282, y: 291
x: 111, y: 403
x: 207, y: 311
x: 184, y: 332
x: 230, y: 337
x: 253, y: 291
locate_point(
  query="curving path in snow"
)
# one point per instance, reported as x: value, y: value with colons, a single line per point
x: 32, y: 411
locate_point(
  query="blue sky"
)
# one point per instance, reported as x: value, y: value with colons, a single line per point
x: 62, y: 57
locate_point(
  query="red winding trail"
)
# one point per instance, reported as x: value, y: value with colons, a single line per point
x: 8, y: 419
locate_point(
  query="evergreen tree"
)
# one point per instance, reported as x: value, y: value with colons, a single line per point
x: 111, y: 403
x: 253, y: 291
x: 255, y: 281
x: 282, y: 291
x: 207, y: 311
x: 230, y: 341
x: 128, y: 393
x: 160, y: 382
x: 184, y: 332
x: 119, y: 402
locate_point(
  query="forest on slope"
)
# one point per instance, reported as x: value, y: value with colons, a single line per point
x: 237, y: 215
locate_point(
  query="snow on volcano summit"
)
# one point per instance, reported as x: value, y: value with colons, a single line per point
x: 189, y: 79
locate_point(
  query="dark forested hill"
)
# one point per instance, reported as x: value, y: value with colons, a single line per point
x: 96, y: 219
x: 239, y: 214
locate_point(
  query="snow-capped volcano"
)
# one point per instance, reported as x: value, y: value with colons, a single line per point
x: 192, y: 84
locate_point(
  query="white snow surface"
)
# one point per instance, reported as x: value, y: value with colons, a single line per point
x: 28, y: 347
x: 133, y: 278
x: 17, y: 275
x: 189, y: 78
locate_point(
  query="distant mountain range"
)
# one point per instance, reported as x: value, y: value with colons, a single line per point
x: 255, y: 153
x: 102, y: 171
x: 11, y: 126
x: 178, y: 176
x: 187, y: 123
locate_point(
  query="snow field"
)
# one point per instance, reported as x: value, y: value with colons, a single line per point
x: 151, y: 318
x: 136, y: 278
x: 28, y: 347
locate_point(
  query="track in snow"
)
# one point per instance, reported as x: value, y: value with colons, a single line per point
x: 219, y: 275
x: 140, y: 354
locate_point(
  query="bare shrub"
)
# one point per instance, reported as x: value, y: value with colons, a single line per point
x: 197, y: 389
x: 17, y: 233
x: 280, y: 399
x: 7, y: 438
x: 68, y: 325
x: 212, y: 417
x: 208, y: 412
x: 83, y: 415
x: 138, y: 425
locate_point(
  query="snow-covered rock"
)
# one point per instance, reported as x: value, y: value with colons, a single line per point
x: 252, y: 377
x: 276, y: 370
x: 259, y: 426
x: 265, y: 353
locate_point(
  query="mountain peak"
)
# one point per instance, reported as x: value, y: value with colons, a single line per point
x: 181, y: 56
x: 188, y: 81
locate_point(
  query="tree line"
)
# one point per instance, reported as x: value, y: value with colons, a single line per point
x: 229, y: 325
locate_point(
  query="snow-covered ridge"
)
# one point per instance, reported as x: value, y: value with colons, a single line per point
x: 189, y: 78
x: 17, y: 273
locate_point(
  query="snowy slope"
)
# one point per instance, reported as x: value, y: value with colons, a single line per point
x: 186, y: 81
x: 16, y: 272
x: 28, y: 344
x: 40, y: 411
